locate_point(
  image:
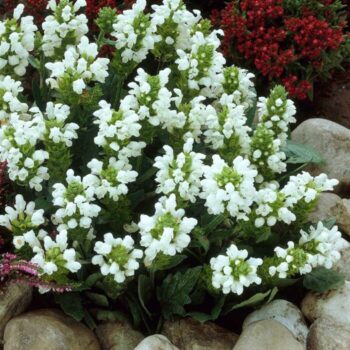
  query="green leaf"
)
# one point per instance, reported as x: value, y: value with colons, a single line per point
x: 71, y: 304
x: 253, y: 301
x: 321, y: 279
x: 213, y: 224
x: 98, y: 299
x: 37, y: 95
x: 215, y: 312
x: 110, y: 316
x: 300, y: 154
x: 329, y: 223
x: 34, y: 62
x: 144, y: 290
x: 174, y: 293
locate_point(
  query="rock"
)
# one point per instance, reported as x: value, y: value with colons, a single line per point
x: 267, y: 335
x: 189, y: 334
x: 48, y: 329
x: 332, y: 206
x: 332, y: 142
x: 156, y: 342
x: 326, y: 334
x: 118, y: 336
x: 343, y: 265
x: 285, y: 313
x: 332, y: 304
x: 13, y: 301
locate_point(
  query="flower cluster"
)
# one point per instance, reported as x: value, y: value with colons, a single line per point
x: 17, y: 41
x: 286, y: 41
x: 78, y: 68
x: 137, y: 172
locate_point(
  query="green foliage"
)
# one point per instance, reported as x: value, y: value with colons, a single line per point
x: 321, y: 279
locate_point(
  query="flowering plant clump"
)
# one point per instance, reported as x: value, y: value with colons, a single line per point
x: 141, y: 180
x: 288, y: 42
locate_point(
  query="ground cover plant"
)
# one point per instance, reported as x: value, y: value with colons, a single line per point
x: 141, y: 182
x: 294, y: 43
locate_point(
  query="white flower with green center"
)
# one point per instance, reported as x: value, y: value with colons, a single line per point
x: 167, y: 232
x: 307, y: 188
x: 117, y: 131
x: 16, y: 42
x: 325, y: 243
x: 229, y: 189
x: 78, y: 69
x: 18, y: 142
x: 75, y: 201
x: 233, y: 272
x: 201, y: 66
x: 227, y: 129
x: 30, y: 238
x: 271, y: 207
x: 134, y: 33
x: 238, y: 83
x: 113, y: 178
x: 266, y: 155
x: 277, y: 112
x: 55, y: 257
x: 152, y: 96
x: 174, y: 26
x: 180, y: 174
x: 117, y: 257
x: 9, y: 93
x: 64, y: 27
x: 22, y: 217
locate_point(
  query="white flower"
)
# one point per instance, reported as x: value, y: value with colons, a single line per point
x: 65, y: 29
x: 112, y: 180
x: 134, y: 33
x: 117, y: 130
x: 50, y: 258
x: 79, y: 67
x: 233, y: 272
x: 16, y: 42
x: 181, y: 174
x: 167, y: 231
x: 75, y: 202
x: 9, y: 91
x: 229, y: 188
x: 18, y: 140
x: 117, y: 257
x: 202, y: 65
x: 227, y: 128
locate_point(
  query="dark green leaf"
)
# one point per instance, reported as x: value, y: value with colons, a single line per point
x: 34, y: 62
x: 174, y: 293
x: 71, y: 304
x: 321, y: 279
x: 89, y: 320
x: 144, y: 290
x: 253, y: 301
x: 98, y: 299
x: 215, y: 312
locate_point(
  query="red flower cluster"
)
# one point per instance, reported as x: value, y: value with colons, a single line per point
x: 284, y: 44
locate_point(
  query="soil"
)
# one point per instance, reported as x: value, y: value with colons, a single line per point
x: 331, y: 100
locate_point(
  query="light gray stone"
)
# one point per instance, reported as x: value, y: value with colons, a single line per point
x: 332, y: 142
x: 14, y: 300
x: 267, y: 335
x: 118, y: 336
x: 327, y: 334
x: 284, y: 312
x: 48, y: 329
x: 156, y: 342
x: 189, y: 334
x: 333, y: 304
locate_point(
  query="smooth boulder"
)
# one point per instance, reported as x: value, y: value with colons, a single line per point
x: 189, y: 334
x: 284, y: 312
x: 48, y: 329
x: 267, y: 335
x: 332, y: 142
x: 156, y: 342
